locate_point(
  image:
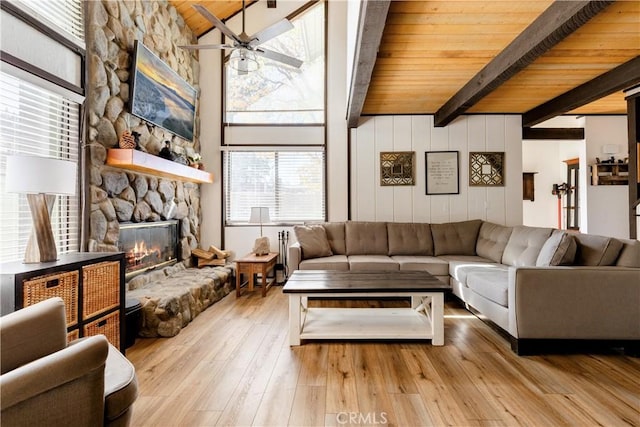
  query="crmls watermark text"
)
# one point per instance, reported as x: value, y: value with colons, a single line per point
x: 362, y: 418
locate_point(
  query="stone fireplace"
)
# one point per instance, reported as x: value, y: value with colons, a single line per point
x: 148, y: 246
x: 117, y: 197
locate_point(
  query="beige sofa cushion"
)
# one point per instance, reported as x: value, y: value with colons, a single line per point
x: 335, y: 235
x: 596, y: 250
x: 524, y: 245
x: 492, y: 239
x: 373, y: 262
x: 430, y: 264
x: 559, y: 249
x: 630, y: 254
x: 455, y: 238
x: 409, y: 239
x: 335, y: 262
x: 313, y: 241
x: 492, y: 284
x: 366, y: 238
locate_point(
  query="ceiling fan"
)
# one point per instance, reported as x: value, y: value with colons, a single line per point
x: 247, y: 46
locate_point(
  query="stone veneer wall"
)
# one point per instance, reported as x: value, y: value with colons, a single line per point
x: 117, y: 195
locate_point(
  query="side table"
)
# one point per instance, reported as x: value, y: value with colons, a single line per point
x: 252, y: 264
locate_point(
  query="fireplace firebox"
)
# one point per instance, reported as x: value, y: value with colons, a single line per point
x: 148, y: 245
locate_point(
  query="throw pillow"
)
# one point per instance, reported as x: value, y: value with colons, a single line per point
x: 559, y: 249
x: 313, y: 241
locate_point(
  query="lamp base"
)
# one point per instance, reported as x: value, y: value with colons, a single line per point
x: 261, y: 246
x: 41, y: 247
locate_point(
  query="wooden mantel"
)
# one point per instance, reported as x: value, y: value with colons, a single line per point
x: 138, y: 161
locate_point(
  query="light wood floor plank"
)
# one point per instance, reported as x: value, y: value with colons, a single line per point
x: 233, y: 366
x: 342, y: 394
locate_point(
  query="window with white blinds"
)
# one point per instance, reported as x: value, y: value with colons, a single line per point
x: 67, y: 15
x: 35, y: 121
x: 290, y: 183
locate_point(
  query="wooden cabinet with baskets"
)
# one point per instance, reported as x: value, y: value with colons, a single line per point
x: 90, y: 284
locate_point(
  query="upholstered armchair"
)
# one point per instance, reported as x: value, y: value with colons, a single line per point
x: 45, y: 381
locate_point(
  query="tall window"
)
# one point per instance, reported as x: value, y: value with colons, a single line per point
x: 277, y: 93
x: 38, y: 116
x: 35, y: 121
x: 289, y: 183
x: 285, y: 106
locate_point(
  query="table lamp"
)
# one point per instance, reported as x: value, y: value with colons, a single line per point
x: 260, y: 215
x: 40, y: 177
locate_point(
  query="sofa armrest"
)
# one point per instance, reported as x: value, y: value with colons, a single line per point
x: 295, y: 256
x: 574, y: 302
x: 31, y: 333
x: 73, y: 378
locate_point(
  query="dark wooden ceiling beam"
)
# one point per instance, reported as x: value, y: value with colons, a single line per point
x: 271, y: 4
x: 552, y: 26
x: 620, y: 78
x: 552, y: 133
x: 373, y: 15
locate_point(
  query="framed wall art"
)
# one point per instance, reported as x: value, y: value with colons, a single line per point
x: 486, y: 169
x: 397, y: 168
x: 441, y: 172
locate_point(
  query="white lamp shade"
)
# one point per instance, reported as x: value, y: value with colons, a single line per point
x: 33, y: 175
x: 259, y: 215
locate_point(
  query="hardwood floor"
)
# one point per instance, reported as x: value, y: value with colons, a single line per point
x: 232, y: 366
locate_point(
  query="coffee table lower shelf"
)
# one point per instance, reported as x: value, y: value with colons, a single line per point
x: 424, y: 320
x: 365, y: 323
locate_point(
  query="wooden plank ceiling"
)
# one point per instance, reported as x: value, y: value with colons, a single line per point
x: 430, y: 49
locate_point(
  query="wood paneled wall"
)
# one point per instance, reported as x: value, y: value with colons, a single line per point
x: 372, y: 202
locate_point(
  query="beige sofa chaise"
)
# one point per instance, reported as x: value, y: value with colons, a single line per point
x: 539, y: 285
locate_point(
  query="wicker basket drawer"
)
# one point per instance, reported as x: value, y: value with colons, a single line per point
x: 62, y: 284
x: 73, y: 335
x: 108, y: 325
x: 100, y: 287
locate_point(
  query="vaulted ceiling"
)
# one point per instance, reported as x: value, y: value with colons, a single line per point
x: 447, y: 57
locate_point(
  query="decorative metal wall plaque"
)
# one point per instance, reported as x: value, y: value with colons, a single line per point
x: 486, y: 169
x: 397, y: 168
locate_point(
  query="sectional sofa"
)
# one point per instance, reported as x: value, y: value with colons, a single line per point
x: 541, y: 286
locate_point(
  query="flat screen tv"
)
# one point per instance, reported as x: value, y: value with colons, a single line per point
x: 160, y: 96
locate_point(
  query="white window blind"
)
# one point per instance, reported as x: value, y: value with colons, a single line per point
x: 67, y: 15
x: 290, y: 183
x: 35, y: 121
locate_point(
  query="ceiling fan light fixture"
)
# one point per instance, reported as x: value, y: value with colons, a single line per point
x: 243, y: 61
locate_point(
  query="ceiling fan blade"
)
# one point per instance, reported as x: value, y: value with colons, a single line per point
x: 206, y: 46
x: 277, y: 56
x: 215, y: 21
x: 271, y: 31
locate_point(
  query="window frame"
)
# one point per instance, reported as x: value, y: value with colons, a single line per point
x: 227, y: 146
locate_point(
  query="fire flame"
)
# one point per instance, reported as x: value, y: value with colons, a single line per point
x: 140, y: 252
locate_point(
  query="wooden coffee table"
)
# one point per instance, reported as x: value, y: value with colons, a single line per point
x: 252, y: 264
x: 423, y: 320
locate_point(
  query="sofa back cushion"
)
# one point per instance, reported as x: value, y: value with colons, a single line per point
x: 630, y: 254
x: 559, y: 249
x: 409, y: 239
x: 335, y: 235
x: 492, y: 239
x: 366, y: 238
x: 597, y: 250
x: 313, y: 241
x: 524, y: 245
x: 455, y: 238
